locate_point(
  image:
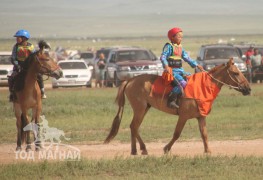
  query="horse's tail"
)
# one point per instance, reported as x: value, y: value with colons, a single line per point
x: 23, y: 133
x: 120, y: 99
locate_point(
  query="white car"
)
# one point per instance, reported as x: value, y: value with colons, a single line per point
x: 75, y: 73
x: 6, y: 68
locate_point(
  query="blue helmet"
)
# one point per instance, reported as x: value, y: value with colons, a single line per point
x: 23, y: 33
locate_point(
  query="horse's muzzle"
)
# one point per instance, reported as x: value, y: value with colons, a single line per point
x: 245, y: 90
x: 57, y: 74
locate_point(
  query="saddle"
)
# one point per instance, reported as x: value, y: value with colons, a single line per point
x: 199, y: 87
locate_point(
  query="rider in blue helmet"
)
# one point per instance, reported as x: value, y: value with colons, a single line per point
x: 22, y: 33
x: 21, y: 50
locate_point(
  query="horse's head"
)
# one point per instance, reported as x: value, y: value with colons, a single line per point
x: 234, y: 78
x: 47, y: 65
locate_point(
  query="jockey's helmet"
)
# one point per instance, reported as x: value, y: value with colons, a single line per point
x: 173, y: 32
x: 22, y: 33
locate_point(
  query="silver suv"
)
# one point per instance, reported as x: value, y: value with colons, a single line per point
x: 124, y: 63
x: 212, y: 55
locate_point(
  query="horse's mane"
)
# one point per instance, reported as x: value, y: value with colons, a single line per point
x: 215, y: 69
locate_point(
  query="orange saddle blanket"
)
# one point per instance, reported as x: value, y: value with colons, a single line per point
x: 199, y: 87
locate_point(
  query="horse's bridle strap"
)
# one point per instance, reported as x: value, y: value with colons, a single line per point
x: 234, y: 87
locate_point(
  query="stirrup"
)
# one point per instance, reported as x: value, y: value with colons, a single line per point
x: 172, y: 100
x: 173, y: 105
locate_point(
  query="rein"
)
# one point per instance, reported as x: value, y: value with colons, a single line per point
x: 234, y: 87
x: 48, y: 71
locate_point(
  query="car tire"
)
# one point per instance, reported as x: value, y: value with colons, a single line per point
x: 107, y: 82
x: 117, y: 81
x: 89, y: 85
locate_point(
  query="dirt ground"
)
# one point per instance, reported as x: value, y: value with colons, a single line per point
x: 8, y: 155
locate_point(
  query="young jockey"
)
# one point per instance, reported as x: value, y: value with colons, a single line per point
x: 172, y: 56
x: 21, y: 50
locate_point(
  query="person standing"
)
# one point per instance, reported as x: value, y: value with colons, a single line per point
x: 248, y: 54
x: 256, y: 62
x: 255, y: 58
x: 101, y: 66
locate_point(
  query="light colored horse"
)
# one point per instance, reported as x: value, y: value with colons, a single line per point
x: 138, y: 90
x: 29, y: 96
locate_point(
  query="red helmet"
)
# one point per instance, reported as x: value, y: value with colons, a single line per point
x: 173, y: 32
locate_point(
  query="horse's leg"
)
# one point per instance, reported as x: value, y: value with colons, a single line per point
x: 142, y: 145
x: 18, y: 126
x: 203, y: 131
x: 178, y: 129
x: 36, y: 116
x: 25, y: 122
x: 138, y: 114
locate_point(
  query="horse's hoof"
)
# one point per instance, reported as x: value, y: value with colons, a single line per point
x: 134, y: 153
x: 18, y: 148
x: 166, y: 150
x: 28, y: 148
x: 144, y: 152
x: 208, y: 151
x: 38, y: 148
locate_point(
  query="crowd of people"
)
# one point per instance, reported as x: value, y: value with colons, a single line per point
x: 253, y: 61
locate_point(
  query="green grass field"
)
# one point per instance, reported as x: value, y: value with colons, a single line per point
x: 166, y: 167
x: 85, y: 115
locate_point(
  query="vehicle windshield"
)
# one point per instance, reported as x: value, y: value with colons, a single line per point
x: 86, y: 55
x: 5, y: 59
x: 220, y: 53
x: 133, y: 55
x: 72, y: 65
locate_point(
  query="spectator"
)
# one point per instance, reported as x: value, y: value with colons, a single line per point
x: 255, y: 58
x: 255, y: 62
x: 101, y: 66
x: 248, y: 55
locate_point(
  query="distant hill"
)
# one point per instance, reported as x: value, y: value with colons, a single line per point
x: 118, y: 18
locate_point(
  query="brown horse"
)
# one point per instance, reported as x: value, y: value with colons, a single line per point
x: 28, y: 94
x: 138, y: 90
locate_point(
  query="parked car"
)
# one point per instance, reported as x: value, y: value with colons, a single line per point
x: 124, y: 63
x: 75, y: 73
x: 211, y: 55
x: 87, y: 56
x: 6, y: 67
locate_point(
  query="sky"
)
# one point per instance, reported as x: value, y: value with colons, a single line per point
x: 129, y: 18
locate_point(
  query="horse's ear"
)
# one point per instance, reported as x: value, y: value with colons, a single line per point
x: 43, y: 45
x: 230, y: 62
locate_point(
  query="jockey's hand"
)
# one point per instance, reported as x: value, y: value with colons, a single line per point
x: 18, y: 67
x: 200, y: 67
x: 166, y: 69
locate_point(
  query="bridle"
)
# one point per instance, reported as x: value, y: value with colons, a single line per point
x: 48, y: 72
x: 223, y: 83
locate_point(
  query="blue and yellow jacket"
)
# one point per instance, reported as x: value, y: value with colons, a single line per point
x: 21, y: 52
x: 176, y: 52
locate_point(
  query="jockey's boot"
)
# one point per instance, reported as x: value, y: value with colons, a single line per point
x: 11, y: 88
x: 43, y: 96
x: 11, y: 97
x: 172, y: 100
